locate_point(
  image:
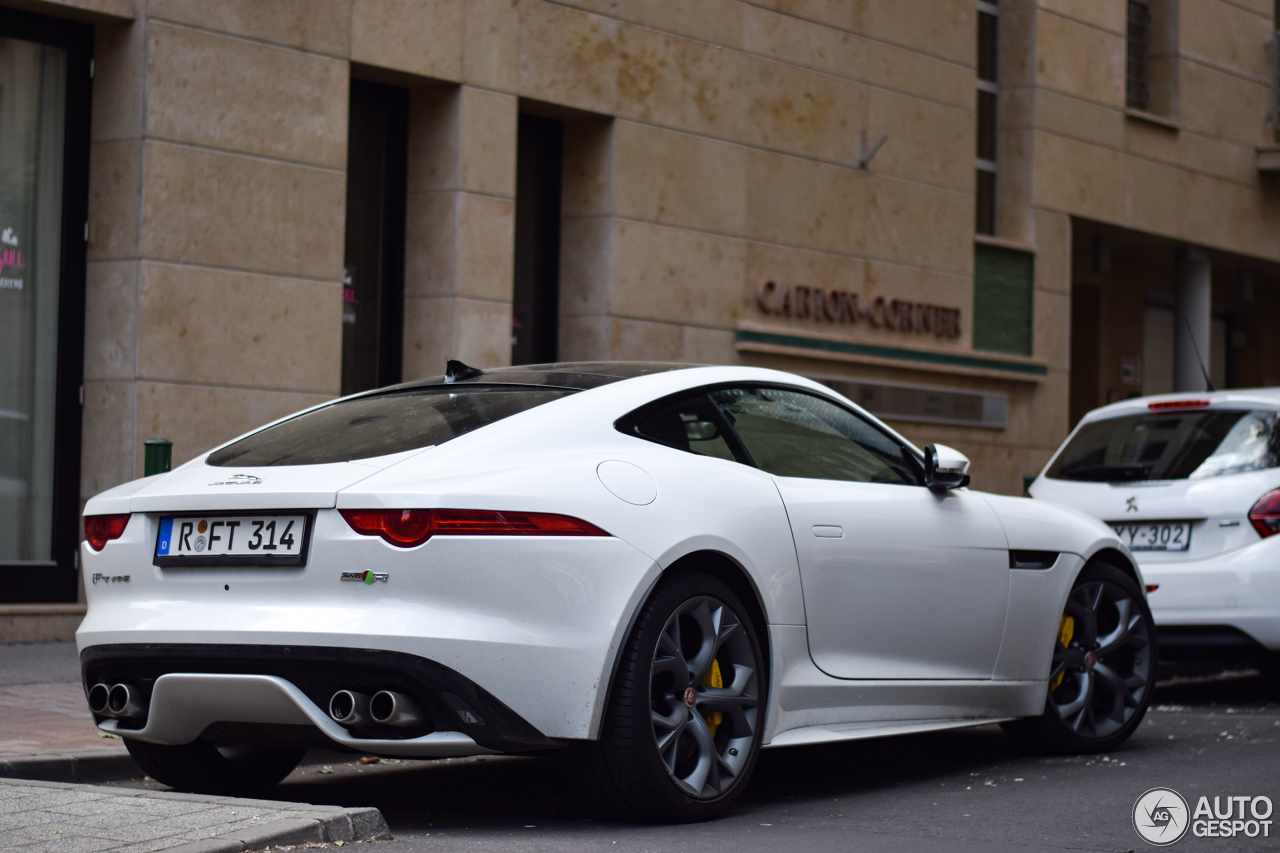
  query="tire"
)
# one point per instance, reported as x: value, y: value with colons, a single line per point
x: 202, y: 767
x: 1102, y: 678
x: 663, y: 754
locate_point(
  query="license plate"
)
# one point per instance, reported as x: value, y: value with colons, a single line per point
x: 231, y: 540
x: 1154, y: 535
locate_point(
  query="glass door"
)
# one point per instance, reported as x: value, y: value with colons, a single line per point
x: 45, y: 68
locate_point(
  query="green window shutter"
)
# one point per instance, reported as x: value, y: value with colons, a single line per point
x: 1003, y: 311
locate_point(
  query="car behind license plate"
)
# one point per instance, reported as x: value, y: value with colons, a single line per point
x: 229, y: 540
x: 1154, y: 535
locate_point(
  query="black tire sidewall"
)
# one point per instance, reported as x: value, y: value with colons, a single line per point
x: 627, y: 718
x: 1063, y: 738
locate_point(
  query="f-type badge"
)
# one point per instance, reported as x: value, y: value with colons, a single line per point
x: 366, y: 577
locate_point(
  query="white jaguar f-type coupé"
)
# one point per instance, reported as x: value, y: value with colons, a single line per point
x: 653, y: 569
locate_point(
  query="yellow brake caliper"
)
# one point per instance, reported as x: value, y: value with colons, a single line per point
x: 713, y: 679
x: 1066, y: 630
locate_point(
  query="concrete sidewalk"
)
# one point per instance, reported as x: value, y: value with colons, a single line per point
x: 53, y: 817
x: 46, y: 731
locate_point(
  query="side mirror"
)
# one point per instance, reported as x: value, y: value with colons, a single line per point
x: 945, y: 468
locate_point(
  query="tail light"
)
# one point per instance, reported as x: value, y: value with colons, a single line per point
x: 409, y: 527
x: 101, y: 529
x: 1265, y: 514
x: 1171, y: 405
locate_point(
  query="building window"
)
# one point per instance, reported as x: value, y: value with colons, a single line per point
x: 44, y: 118
x: 988, y: 98
x: 1138, y: 56
x: 536, y: 299
x: 373, y: 274
x: 1003, y: 309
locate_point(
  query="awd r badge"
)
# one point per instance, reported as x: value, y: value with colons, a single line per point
x: 366, y: 577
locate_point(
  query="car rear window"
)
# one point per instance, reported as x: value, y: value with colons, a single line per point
x: 1171, y: 446
x: 377, y: 426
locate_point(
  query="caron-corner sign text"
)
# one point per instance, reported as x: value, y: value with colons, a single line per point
x: 842, y: 306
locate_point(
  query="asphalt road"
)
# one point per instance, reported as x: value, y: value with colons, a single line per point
x: 966, y: 790
x: 969, y: 790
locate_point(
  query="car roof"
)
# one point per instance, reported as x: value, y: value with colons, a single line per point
x: 1235, y: 398
x: 575, y: 375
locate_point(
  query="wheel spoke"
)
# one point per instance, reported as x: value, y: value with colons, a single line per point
x: 667, y: 743
x: 709, y: 626
x: 705, y: 771
x: 1118, y: 689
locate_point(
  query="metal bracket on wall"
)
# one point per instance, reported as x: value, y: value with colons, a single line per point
x: 868, y: 153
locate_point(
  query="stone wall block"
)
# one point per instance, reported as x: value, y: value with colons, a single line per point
x: 718, y: 22
x: 423, y: 37
x: 435, y: 114
x: 225, y: 210
x: 586, y: 266
x: 919, y: 225
x: 681, y: 83
x: 1224, y: 35
x: 1104, y: 16
x: 568, y: 57
x: 431, y: 235
x: 1076, y: 59
x: 794, y: 40
x: 1053, y: 252
x: 109, y: 451
x: 485, y: 247
x: 942, y: 28
x: 806, y: 204
x: 321, y: 26
x: 803, y: 112
x: 587, y: 187
x: 677, y: 275
x: 912, y: 73
x: 243, y: 96
x: 586, y: 338
x: 111, y: 320
x: 1075, y: 177
x: 487, y: 142
x: 643, y: 340
x: 1152, y: 197
x: 1215, y: 103
x: 1052, y: 330
x: 491, y: 38
x: 119, y: 52
x: 428, y: 336
x: 483, y: 332
x: 928, y: 142
x: 1066, y: 115
x: 678, y: 179
x: 194, y: 328
x: 115, y: 193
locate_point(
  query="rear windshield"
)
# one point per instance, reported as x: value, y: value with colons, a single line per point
x: 378, y: 426
x: 1176, y: 446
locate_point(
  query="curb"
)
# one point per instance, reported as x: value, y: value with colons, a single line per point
x: 70, y: 767
x: 307, y: 823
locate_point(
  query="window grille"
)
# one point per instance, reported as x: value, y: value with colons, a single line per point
x: 1138, y: 56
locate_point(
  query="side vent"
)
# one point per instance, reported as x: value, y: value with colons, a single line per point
x: 1032, y: 559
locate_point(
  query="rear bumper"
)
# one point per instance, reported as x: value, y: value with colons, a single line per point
x: 536, y: 622
x: 255, y: 690
x: 1239, y: 589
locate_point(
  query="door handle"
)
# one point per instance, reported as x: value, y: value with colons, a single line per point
x: 828, y: 531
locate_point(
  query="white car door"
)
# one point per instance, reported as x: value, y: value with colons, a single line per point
x: 900, y: 582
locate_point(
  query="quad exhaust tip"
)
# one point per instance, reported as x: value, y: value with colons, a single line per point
x: 395, y: 709
x: 349, y: 708
x: 385, y: 708
x: 123, y: 701
x: 98, y: 698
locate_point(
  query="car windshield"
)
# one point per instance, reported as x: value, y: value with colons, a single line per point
x: 1171, y: 446
x: 380, y: 425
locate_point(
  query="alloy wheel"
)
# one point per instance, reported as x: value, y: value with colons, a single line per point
x: 1102, y: 660
x: 704, y: 697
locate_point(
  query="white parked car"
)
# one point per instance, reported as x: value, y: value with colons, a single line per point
x: 1191, y: 485
x: 656, y: 569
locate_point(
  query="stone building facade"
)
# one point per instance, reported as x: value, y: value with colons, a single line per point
x: 979, y: 219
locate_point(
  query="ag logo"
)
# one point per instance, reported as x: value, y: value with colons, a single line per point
x: 1160, y: 816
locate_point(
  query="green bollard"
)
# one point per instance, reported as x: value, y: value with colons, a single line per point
x: 158, y: 458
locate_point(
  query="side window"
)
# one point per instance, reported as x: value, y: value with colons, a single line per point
x: 691, y: 423
x: 792, y: 434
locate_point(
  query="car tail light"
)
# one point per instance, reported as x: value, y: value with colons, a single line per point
x: 101, y: 529
x: 409, y: 527
x: 1177, y: 404
x: 1265, y: 514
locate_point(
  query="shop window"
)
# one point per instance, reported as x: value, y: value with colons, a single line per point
x: 1002, y: 299
x: 373, y: 274
x: 536, y: 297
x: 988, y: 121
x: 44, y: 96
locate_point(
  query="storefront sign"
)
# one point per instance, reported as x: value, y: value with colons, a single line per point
x: 842, y: 306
